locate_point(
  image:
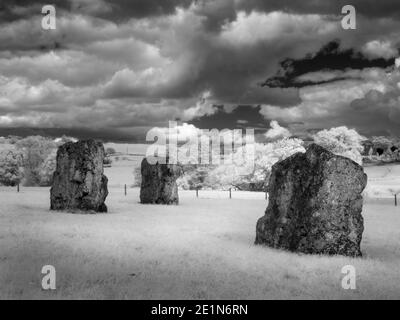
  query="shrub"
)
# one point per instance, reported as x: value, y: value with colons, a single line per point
x: 107, y: 162
x: 110, y: 151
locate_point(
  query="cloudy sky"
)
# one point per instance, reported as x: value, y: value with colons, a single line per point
x: 117, y: 68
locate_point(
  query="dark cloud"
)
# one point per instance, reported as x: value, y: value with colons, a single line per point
x: 241, y: 117
x: 123, y: 9
x: 223, y: 118
x: 114, y: 10
x: 330, y: 57
x: 11, y: 10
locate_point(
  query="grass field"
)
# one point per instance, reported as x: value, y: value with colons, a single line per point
x: 382, y: 181
x: 201, y: 249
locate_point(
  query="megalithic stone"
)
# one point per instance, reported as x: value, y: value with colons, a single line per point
x: 159, y: 182
x: 79, y: 183
x: 315, y: 204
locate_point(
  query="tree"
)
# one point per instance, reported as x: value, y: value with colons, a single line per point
x: 194, y: 177
x: 10, y: 172
x: 382, y: 141
x: 47, y: 169
x: 342, y: 141
x: 13, y: 139
x: 254, y: 174
x: 35, y: 150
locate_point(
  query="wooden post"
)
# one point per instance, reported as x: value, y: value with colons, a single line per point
x: 125, y: 189
x: 18, y: 187
x: 230, y: 193
x: 395, y: 200
x: 197, y: 192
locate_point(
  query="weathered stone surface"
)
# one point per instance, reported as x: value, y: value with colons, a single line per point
x: 159, y: 183
x: 79, y: 183
x: 315, y: 204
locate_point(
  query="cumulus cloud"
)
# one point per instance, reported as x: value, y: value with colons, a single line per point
x: 370, y: 104
x: 318, y: 102
x: 183, y: 132
x: 382, y: 107
x: 380, y: 49
x: 72, y: 68
x: 256, y: 27
x: 368, y: 8
x: 276, y: 131
x: 203, y: 107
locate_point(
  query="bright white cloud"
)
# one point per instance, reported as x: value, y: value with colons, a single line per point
x: 255, y: 27
x: 204, y: 106
x: 379, y: 49
x: 276, y: 131
x: 322, y: 102
x: 183, y: 132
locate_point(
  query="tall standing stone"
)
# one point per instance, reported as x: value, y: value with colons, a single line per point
x: 79, y: 182
x: 315, y: 204
x: 159, y: 183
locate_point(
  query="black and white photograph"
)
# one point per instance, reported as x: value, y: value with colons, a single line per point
x: 200, y: 150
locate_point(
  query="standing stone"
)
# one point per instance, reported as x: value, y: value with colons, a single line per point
x: 315, y: 204
x: 159, y: 183
x: 79, y: 182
